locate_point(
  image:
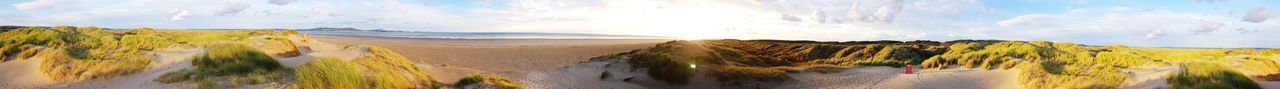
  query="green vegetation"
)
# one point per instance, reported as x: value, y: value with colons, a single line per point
x: 380, y: 68
x: 1042, y: 64
x: 760, y: 74
x: 72, y: 53
x: 664, y: 67
x: 329, y: 73
x: 230, y: 58
x: 486, y: 81
x: 146, y: 42
x: 237, y: 63
x: 1206, y: 75
x: 79, y: 53
x: 729, y: 60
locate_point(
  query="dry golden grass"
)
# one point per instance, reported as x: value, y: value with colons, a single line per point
x: 486, y: 81
x: 329, y: 73
x: 1208, y: 75
x: 380, y: 69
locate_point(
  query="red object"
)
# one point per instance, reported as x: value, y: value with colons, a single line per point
x: 908, y: 69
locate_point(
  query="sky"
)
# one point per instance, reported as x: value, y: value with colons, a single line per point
x: 1142, y: 23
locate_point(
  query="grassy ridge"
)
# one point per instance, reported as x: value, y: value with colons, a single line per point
x: 231, y: 58
x: 380, y: 68
x: 80, y: 53
x: 486, y: 81
x: 73, y: 53
x: 730, y: 60
x: 1042, y: 64
x: 329, y: 73
x: 1206, y: 75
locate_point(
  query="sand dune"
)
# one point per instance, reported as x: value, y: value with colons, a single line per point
x: 23, y: 74
x: 879, y: 77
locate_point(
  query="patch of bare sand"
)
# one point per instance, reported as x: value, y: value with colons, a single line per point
x: 585, y: 75
x: 880, y: 77
x: 23, y: 74
x: 1148, y: 77
x: 450, y: 59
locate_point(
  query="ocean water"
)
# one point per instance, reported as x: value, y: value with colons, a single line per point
x: 481, y: 35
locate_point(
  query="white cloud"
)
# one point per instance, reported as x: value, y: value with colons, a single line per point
x: 232, y: 8
x: 1207, y: 26
x: 38, y: 4
x: 180, y: 15
x: 281, y: 2
x: 1259, y: 15
x: 1116, y: 22
x: 819, y: 16
x: 887, y: 12
x: 1155, y: 34
x: 790, y: 18
x: 1024, y: 20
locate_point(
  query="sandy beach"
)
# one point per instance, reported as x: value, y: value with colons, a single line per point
x: 450, y: 59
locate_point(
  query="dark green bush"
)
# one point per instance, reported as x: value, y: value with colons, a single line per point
x: 664, y: 67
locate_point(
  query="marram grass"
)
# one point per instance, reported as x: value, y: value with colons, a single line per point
x: 330, y: 73
x: 486, y: 81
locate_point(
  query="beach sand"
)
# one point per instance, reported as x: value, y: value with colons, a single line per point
x: 450, y: 59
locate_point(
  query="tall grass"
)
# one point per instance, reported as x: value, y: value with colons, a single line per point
x: 1207, y: 75
x: 379, y: 68
x: 391, y: 70
x: 146, y: 42
x: 486, y: 81
x: 230, y: 58
x: 73, y: 53
x: 238, y: 63
x: 330, y: 73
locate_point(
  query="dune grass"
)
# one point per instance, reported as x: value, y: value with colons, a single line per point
x: 486, y: 81
x: 664, y: 67
x: 230, y: 58
x: 146, y: 42
x: 380, y: 68
x: 731, y: 60
x: 392, y: 70
x: 1207, y: 75
x: 330, y: 73
x: 728, y: 73
x: 237, y: 63
x: 73, y: 53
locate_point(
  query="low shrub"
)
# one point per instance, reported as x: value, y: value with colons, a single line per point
x: 664, y: 67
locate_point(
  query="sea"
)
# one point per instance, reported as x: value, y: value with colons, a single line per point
x: 481, y: 35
